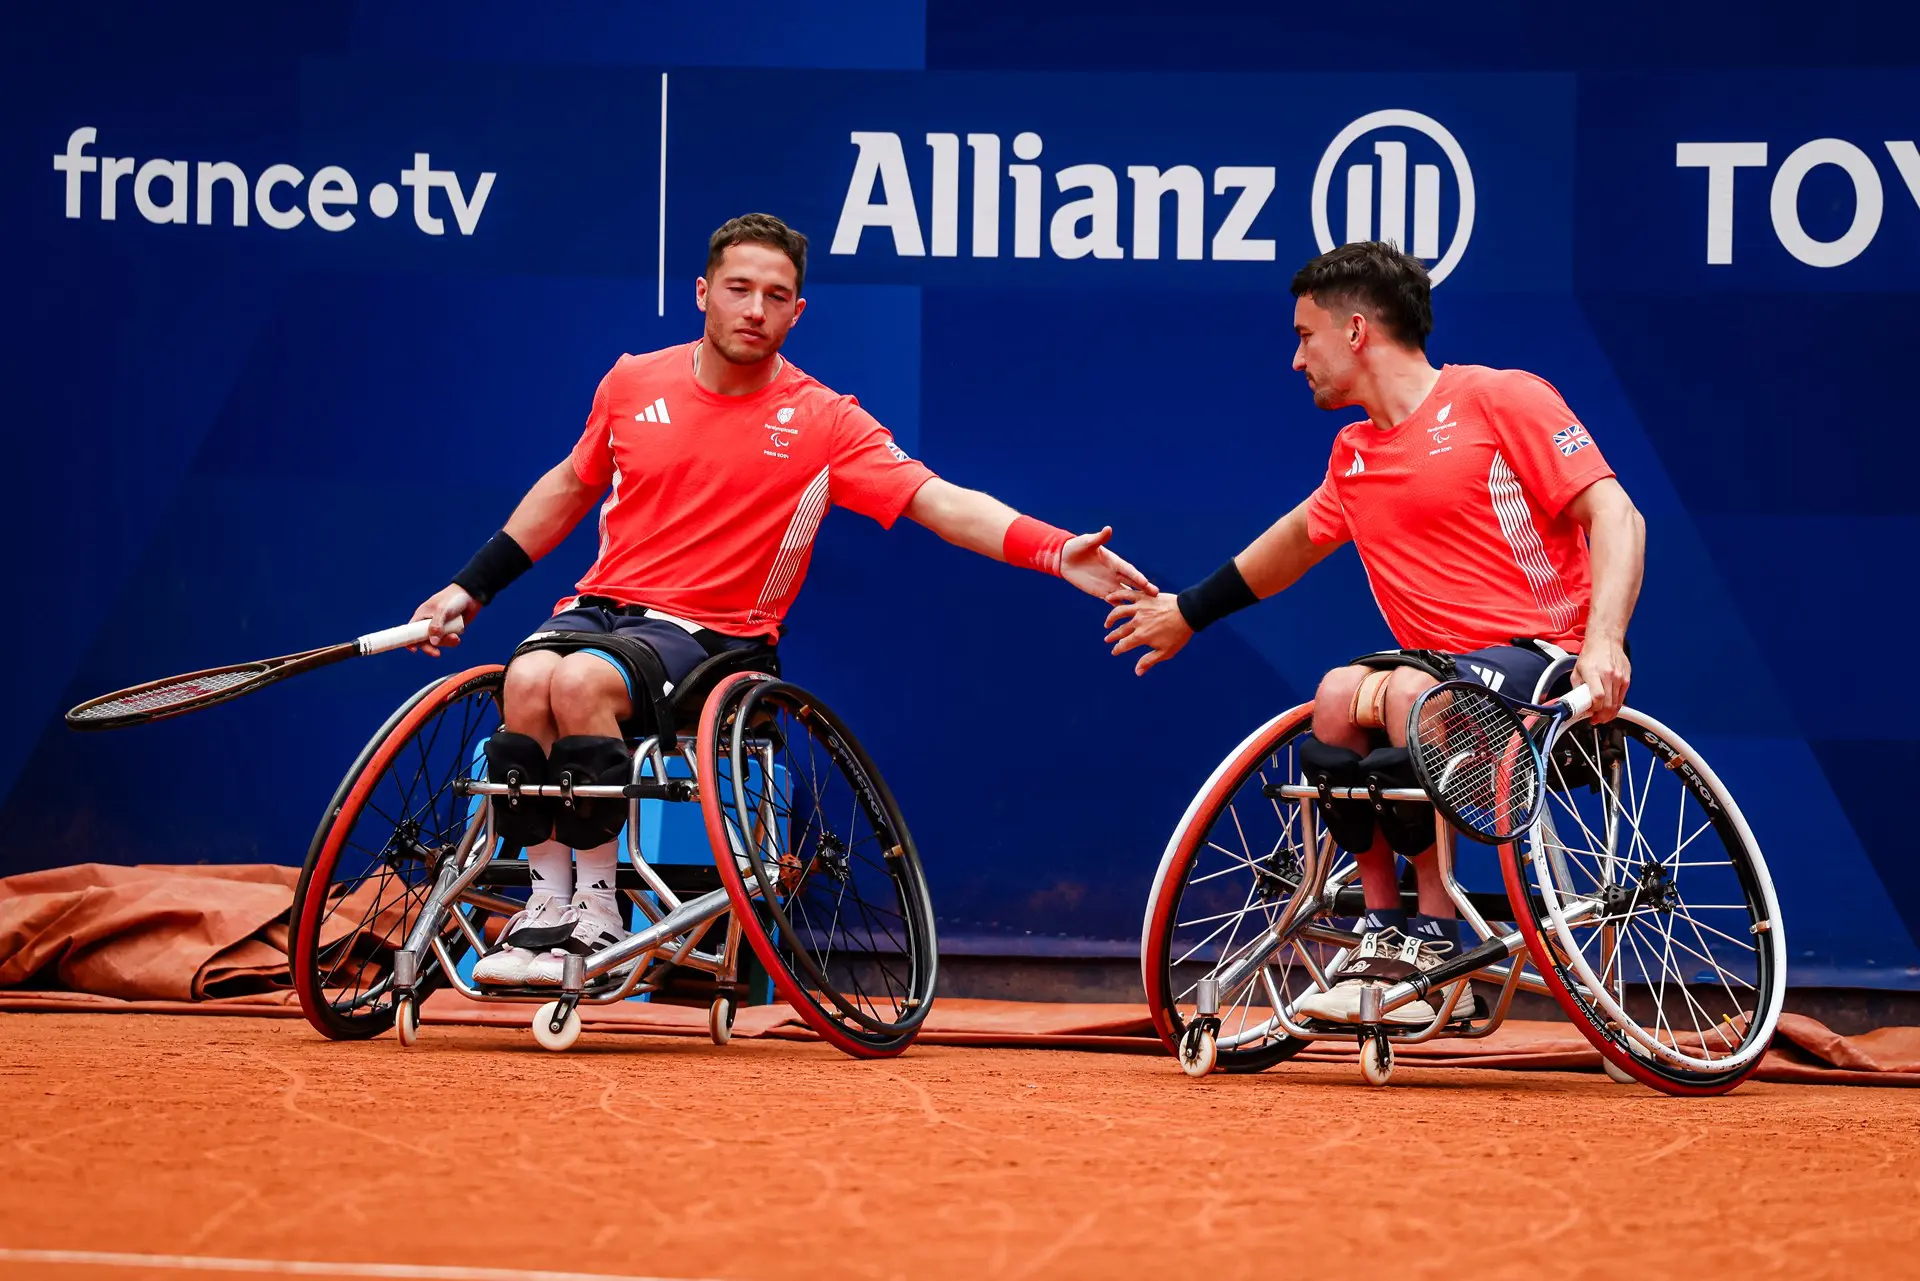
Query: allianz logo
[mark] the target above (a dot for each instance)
(1402, 172)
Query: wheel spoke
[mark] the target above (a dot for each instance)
(1661, 936)
(373, 891)
(850, 915)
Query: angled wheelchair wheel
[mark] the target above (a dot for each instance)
(818, 863)
(1649, 911)
(1230, 871)
(372, 860)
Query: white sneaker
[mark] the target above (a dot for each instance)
(1382, 959)
(508, 965)
(592, 928)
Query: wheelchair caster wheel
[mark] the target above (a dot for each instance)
(720, 1020)
(1376, 1060)
(1199, 1049)
(543, 1029)
(1617, 1073)
(406, 1021)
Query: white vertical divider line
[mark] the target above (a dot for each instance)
(663, 194)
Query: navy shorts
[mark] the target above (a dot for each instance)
(1513, 670)
(679, 650)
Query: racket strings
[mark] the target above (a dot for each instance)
(1479, 760)
(188, 689)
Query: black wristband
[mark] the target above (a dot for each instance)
(1215, 596)
(499, 561)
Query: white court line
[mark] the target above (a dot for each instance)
(300, 1268)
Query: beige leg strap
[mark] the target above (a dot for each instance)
(1370, 700)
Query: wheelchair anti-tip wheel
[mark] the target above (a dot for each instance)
(818, 864)
(553, 1030)
(1229, 874)
(1376, 1060)
(1199, 1048)
(1648, 909)
(371, 864)
(406, 1021)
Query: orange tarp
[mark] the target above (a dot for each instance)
(212, 940)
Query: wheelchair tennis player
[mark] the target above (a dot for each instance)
(712, 464)
(1496, 539)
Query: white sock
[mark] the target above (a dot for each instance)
(594, 877)
(550, 870)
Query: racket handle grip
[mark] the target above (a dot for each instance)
(414, 633)
(1579, 701)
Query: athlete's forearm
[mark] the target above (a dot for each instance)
(555, 504)
(1275, 561)
(1617, 545)
(964, 517)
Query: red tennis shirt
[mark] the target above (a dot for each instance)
(1460, 512)
(715, 500)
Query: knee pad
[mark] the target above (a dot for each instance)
(1327, 767)
(1407, 825)
(589, 760)
(517, 759)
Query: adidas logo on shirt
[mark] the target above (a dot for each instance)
(654, 413)
(1356, 466)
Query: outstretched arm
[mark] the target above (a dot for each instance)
(982, 523)
(1617, 543)
(1162, 625)
(543, 519)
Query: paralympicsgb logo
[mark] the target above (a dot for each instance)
(1395, 190)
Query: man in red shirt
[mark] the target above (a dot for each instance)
(718, 460)
(1494, 536)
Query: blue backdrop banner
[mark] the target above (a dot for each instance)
(305, 302)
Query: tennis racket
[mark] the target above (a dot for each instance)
(1481, 757)
(157, 700)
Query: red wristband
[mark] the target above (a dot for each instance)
(1034, 544)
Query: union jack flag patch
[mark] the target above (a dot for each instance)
(1572, 440)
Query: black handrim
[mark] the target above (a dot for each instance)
(377, 879)
(850, 911)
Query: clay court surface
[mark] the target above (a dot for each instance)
(669, 1157)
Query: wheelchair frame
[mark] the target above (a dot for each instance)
(796, 882)
(1499, 957)
(675, 928)
(1484, 961)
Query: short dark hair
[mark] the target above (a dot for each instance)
(1373, 276)
(760, 229)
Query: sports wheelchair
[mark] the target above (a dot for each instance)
(1638, 900)
(813, 869)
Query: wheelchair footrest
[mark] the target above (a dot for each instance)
(1471, 1007)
